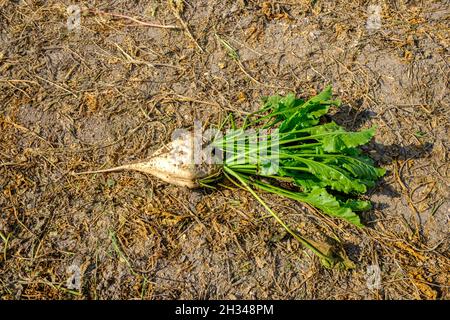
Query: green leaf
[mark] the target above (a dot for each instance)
(356, 205)
(420, 134)
(345, 140)
(268, 168)
(358, 167)
(310, 112)
(308, 181)
(324, 128)
(334, 177)
(320, 198)
(335, 139)
(317, 197)
(305, 117)
(281, 107)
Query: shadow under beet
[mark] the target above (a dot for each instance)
(352, 119)
(387, 154)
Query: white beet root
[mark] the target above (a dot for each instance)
(180, 163)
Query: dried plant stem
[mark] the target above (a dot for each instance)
(177, 15)
(143, 23)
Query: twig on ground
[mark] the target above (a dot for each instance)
(176, 13)
(139, 22)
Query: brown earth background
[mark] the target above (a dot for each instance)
(112, 92)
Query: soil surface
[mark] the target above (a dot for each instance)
(111, 90)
